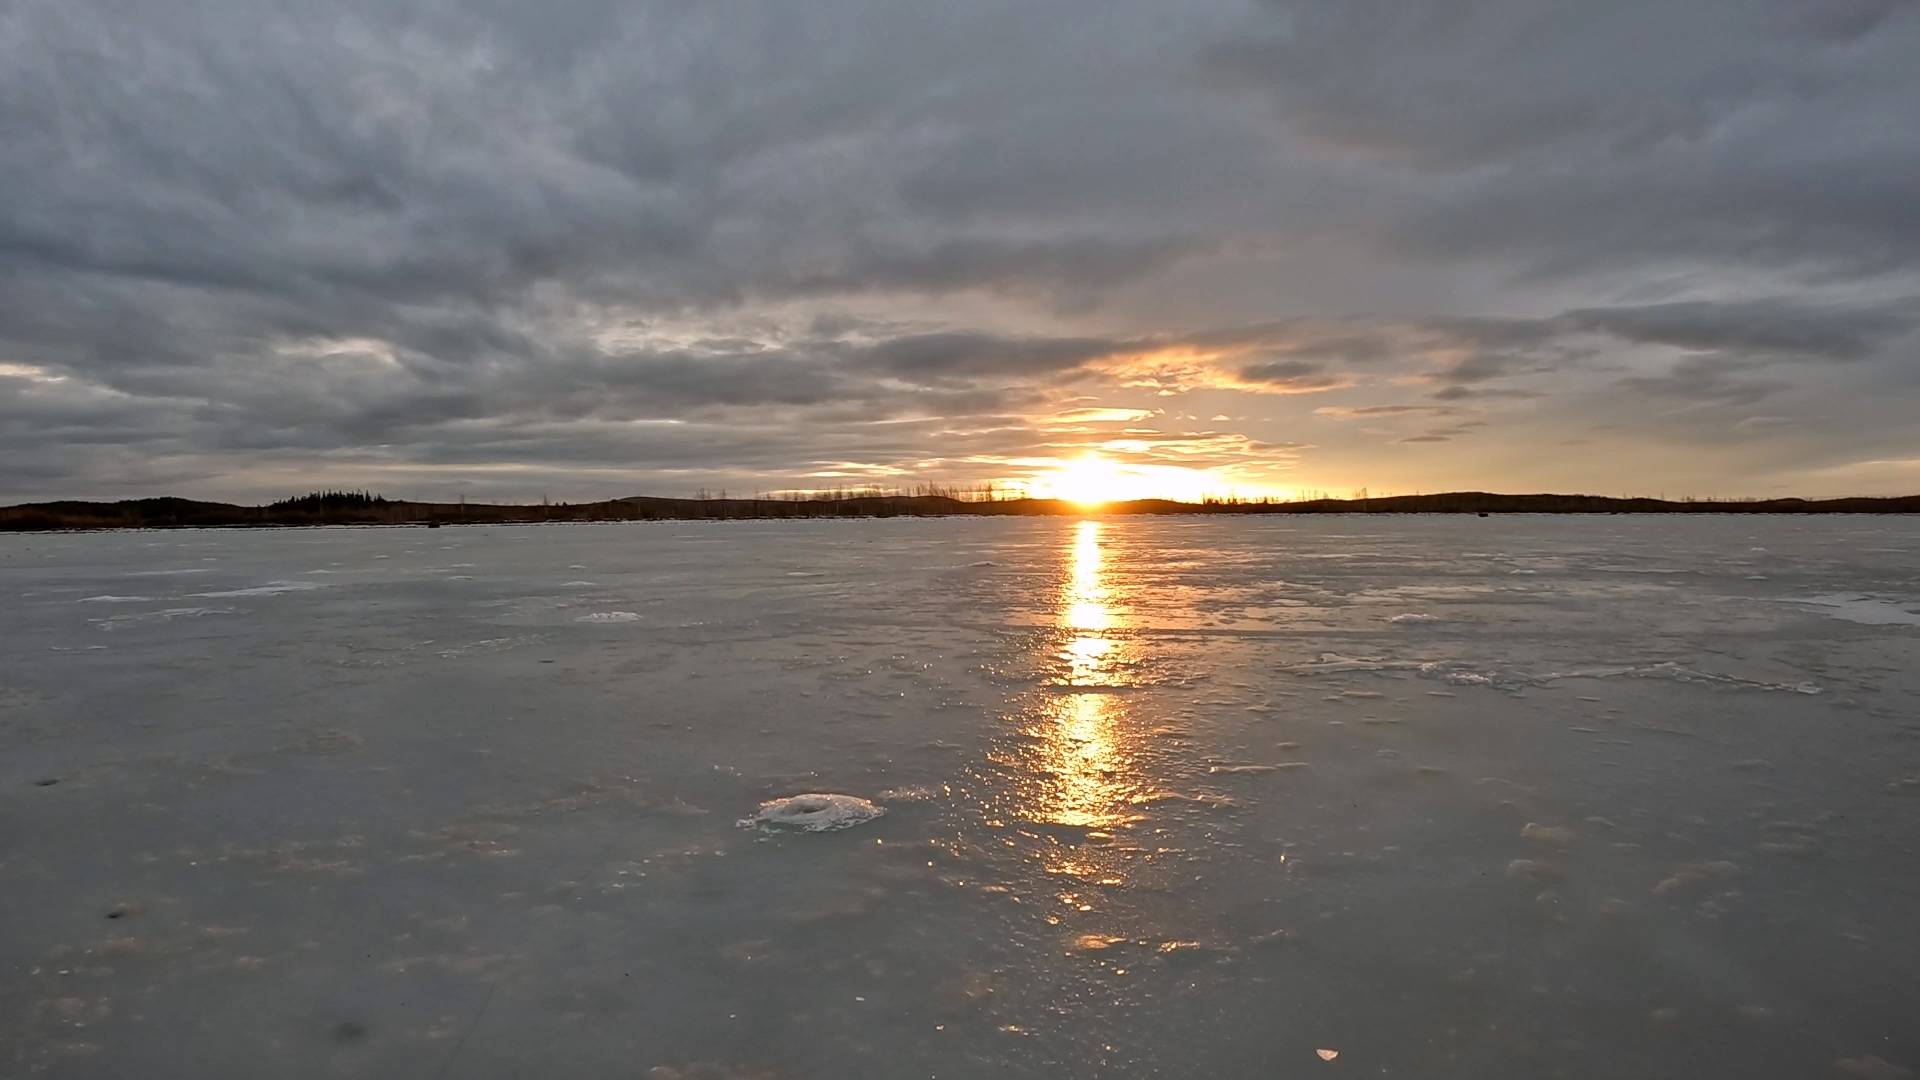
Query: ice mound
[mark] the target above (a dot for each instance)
(814, 812)
(611, 617)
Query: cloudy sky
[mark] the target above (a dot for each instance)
(586, 249)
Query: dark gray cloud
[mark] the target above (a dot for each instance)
(1773, 326)
(1297, 376)
(1706, 380)
(935, 359)
(667, 240)
(1576, 135)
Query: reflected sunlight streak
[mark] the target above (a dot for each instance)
(1088, 779)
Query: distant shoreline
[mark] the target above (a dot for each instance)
(371, 510)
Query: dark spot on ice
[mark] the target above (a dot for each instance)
(117, 913)
(349, 1031)
(47, 781)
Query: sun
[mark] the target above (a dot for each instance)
(1089, 481)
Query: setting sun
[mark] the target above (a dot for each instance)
(1089, 481)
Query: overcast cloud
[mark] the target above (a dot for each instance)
(589, 249)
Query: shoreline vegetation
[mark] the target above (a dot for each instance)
(362, 508)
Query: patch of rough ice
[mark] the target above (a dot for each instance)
(813, 812)
(483, 645)
(169, 573)
(271, 588)
(111, 599)
(1667, 669)
(1670, 670)
(917, 793)
(1414, 619)
(1456, 673)
(115, 622)
(610, 617)
(1335, 663)
(1870, 610)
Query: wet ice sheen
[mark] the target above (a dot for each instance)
(1169, 797)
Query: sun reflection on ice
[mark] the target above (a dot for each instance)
(1081, 763)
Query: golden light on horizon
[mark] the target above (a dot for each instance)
(1093, 480)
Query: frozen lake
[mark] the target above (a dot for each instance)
(1425, 797)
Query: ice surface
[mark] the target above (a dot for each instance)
(1163, 797)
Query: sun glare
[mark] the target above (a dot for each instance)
(1089, 481)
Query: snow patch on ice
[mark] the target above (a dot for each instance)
(271, 588)
(813, 812)
(610, 617)
(1414, 619)
(111, 599)
(1869, 610)
(579, 585)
